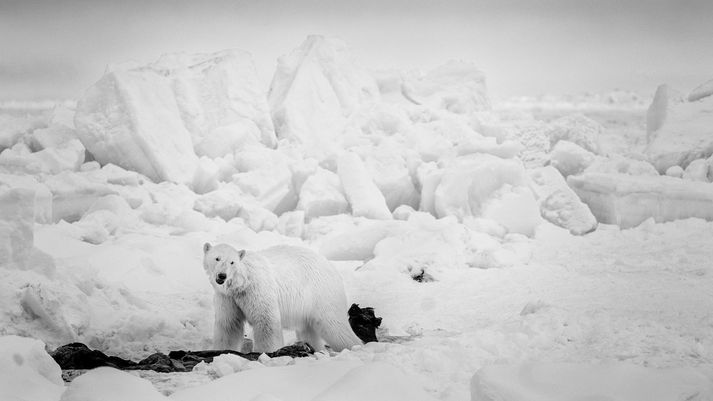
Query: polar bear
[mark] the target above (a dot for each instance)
(282, 287)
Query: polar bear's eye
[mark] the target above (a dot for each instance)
(232, 262)
(217, 259)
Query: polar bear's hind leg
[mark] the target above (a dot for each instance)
(310, 335)
(337, 333)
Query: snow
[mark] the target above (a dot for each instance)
(628, 200)
(569, 381)
(27, 372)
(453, 220)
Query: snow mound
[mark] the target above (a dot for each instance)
(679, 132)
(628, 200)
(297, 382)
(569, 381)
(27, 372)
(559, 204)
(697, 170)
(51, 160)
(315, 88)
(145, 118)
(109, 384)
(616, 164)
(364, 196)
(483, 185)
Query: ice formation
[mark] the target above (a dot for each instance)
(680, 132)
(315, 89)
(628, 200)
(27, 372)
(146, 118)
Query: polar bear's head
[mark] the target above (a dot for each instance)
(223, 265)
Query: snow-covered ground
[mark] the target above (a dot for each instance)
(560, 260)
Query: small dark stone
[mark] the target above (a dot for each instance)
(364, 323)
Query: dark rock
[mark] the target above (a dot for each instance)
(77, 357)
(364, 323)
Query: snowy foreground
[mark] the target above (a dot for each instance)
(558, 258)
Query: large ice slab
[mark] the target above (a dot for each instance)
(679, 132)
(570, 381)
(315, 88)
(628, 200)
(150, 118)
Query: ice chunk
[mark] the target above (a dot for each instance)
(67, 156)
(266, 176)
(697, 171)
(570, 158)
(315, 88)
(131, 118)
(73, 194)
(17, 219)
(679, 132)
(364, 197)
(110, 384)
(429, 177)
(483, 185)
(569, 381)
(27, 372)
(229, 202)
(291, 224)
(701, 91)
(576, 128)
(43, 196)
(629, 200)
(391, 175)
(321, 195)
(147, 118)
(559, 204)
(206, 176)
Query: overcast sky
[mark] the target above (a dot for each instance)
(57, 48)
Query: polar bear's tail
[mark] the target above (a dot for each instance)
(337, 333)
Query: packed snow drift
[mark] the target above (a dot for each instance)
(512, 254)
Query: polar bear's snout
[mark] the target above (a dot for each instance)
(220, 278)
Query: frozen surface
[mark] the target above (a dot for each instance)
(364, 196)
(568, 381)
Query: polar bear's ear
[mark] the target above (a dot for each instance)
(241, 254)
(206, 247)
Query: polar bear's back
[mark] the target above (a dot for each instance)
(306, 281)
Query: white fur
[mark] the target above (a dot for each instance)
(282, 287)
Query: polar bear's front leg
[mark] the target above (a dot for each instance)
(267, 324)
(229, 324)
